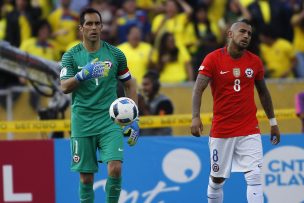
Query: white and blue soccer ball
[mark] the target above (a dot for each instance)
(123, 111)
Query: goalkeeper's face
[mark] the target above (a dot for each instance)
(91, 27)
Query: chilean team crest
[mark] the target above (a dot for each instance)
(249, 72)
(76, 158)
(106, 67)
(236, 72)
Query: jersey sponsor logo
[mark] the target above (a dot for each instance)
(236, 72)
(79, 67)
(63, 72)
(76, 158)
(249, 72)
(215, 167)
(201, 68)
(224, 72)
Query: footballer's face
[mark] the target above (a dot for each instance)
(91, 27)
(240, 34)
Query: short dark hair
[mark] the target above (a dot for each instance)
(244, 20)
(86, 11)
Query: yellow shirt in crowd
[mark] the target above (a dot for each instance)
(175, 25)
(68, 24)
(138, 59)
(25, 28)
(278, 57)
(174, 72)
(298, 39)
(47, 52)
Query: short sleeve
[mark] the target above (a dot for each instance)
(67, 68)
(123, 71)
(260, 70)
(207, 66)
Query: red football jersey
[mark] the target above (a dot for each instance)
(232, 86)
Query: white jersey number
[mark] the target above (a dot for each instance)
(237, 85)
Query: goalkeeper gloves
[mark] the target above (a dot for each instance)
(93, 69)
(132, 130)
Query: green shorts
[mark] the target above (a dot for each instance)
(84, 151)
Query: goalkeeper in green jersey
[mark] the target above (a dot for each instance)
(90, 71)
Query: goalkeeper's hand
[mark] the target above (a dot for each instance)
(93, 69)
(132, 130)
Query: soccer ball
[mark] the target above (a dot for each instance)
(123, 111)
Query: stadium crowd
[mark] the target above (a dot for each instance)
(171, 37)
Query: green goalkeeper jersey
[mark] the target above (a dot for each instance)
(92, 98)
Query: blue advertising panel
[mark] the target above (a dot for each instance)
(176, 170)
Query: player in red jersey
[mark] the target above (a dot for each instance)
(235, 141)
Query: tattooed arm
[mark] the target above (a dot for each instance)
(199, 87)
(266, 102)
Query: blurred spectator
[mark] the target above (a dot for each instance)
(156, 103)
(152, 6)
(21, 22)
(297, 22)
(137, 53)
(173, 21)
(234, 11)
(75, 5)
(299, 104)
(45, 5)
(277, 54)
(5, 7)
(40, 45)
(77, 40)
(172, 62)
(272, 13)
(130, 16)
(204, 36)
(64, 22)
(216, 9)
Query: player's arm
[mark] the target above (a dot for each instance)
(67, 80)
(130, 89)
(129, 84)
(131, 130)
(266, 102)
(199, 87)
(68, 85)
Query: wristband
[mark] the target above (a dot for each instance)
(78, 77)
(273, 122)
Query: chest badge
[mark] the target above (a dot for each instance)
(249, 72)
(236, 72)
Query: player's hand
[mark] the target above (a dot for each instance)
(275, 136)
(93, 69)
(132, 130)
(196, 127)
